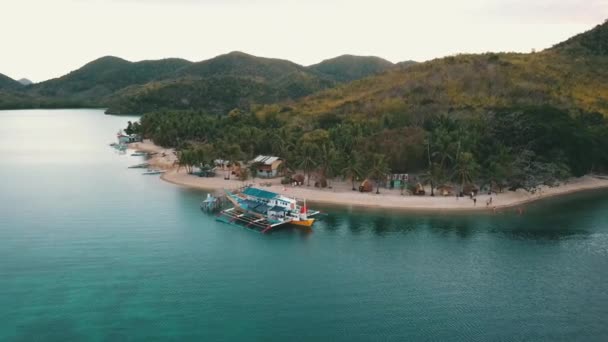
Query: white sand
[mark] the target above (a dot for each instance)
(341, 193)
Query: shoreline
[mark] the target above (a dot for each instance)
(341, 194)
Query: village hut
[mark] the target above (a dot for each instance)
(470, 190)
(366, 186)
(298, 178)
(321, 183)
(266, 166)
(445, 190)
(236, 168)
(419, 190)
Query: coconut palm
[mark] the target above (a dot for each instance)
(466, 168)
(379, 170)
(352, 169)
(308, 161)
(327, 161)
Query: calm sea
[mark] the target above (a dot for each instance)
(91, 250)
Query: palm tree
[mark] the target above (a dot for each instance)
(186, 159)
(379, 170)
(282, 145)
(308, 161)
(431, 176)
(233, 155)
(327, 158)
(352, 169)
(466, 168)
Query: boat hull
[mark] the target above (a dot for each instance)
(303, 223)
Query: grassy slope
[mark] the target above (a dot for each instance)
(467, 84)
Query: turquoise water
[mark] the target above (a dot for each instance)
(91, 250)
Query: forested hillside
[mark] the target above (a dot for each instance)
(348, 68)
(217, 85)
(7, 83)
(105, 76)
(511, 120)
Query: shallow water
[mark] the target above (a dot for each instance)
(92, 250)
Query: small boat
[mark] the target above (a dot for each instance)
(140, 166)
(154, 172)
(263, 210)
(120, 147)
(211, 204)
(139, 154)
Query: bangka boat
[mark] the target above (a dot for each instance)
(263, 210)
(154, 172)
(140, 166)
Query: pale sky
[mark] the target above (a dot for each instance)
(43, 39)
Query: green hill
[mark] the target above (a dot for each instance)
(137, 87)
(218, 85)
(7, 83)
(239, 64)
(507, 119)
(348, 68)
(591, 43)
(106, 75)
(468, 84)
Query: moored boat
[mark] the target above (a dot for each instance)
(264, 210)
(140, 166)
(154, 172)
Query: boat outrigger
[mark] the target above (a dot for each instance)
(264, 211)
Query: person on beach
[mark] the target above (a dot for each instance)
(475, 201)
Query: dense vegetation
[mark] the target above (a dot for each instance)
(508, 148)
(510, 120)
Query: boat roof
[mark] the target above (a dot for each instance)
(254, 192)
(277, 209)
(256, 207)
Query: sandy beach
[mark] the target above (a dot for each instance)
(341, 192)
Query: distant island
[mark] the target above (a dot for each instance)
(459, 125)
(25, 81)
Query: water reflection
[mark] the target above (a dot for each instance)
(564, 218)
(573, 216)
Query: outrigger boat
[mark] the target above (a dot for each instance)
(154, 172)
(140, 166)
(263, 210)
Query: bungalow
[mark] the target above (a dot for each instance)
(267, 166)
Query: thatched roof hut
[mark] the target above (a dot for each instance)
(445, 190)
(470, 189)
(299, 178)
(366, 186)
(321, 183)
(419, 190)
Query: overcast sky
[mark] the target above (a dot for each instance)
(43, 39)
